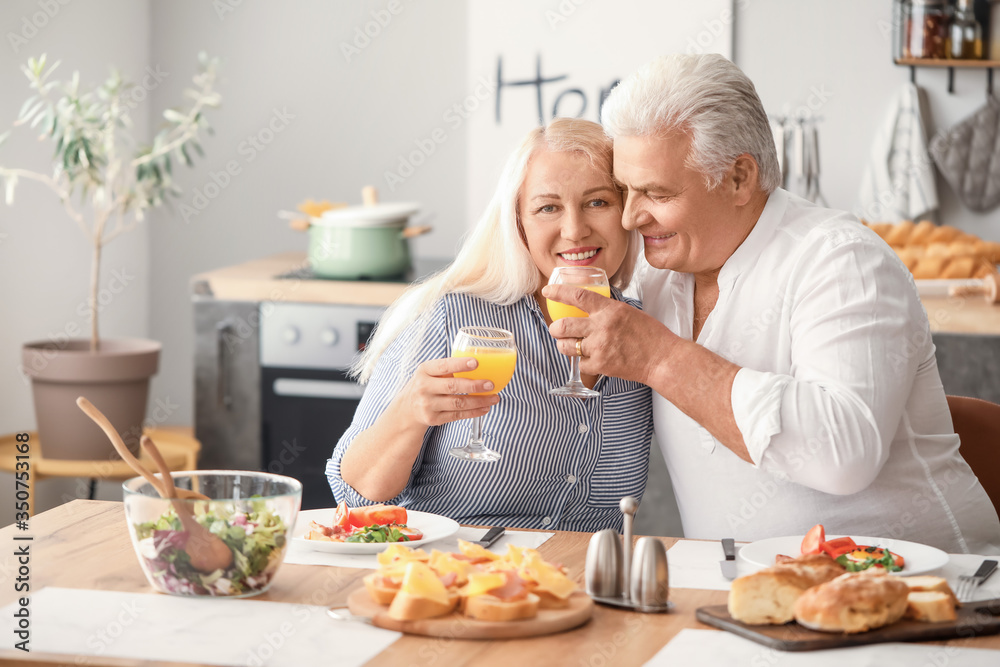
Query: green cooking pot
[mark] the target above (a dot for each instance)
(362, 242)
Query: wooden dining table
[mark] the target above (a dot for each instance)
(84, 544)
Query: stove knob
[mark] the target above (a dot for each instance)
(291, 335)
(329, 337)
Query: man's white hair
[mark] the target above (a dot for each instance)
(705, 96)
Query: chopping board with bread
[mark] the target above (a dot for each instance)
(473, 594)
(827, 597)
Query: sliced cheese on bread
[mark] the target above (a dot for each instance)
(549, 583)
(476, 553)
(445, 564)
(421, 595)
(399, 553)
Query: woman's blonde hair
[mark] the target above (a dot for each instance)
(494, 263)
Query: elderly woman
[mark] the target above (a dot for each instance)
(792, 360)
(566, 462)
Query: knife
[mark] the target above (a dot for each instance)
(491, 536)
(729, 565)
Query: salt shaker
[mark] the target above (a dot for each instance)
(604, 565)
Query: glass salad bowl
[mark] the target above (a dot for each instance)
(252, 513)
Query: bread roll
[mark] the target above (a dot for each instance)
(491, 608)
(408, 607)
(768, 596)
(900, 233)
(853, 603)
(930, 606)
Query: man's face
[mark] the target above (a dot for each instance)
(685, 227)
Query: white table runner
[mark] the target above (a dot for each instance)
(712, 647)
(214, 631)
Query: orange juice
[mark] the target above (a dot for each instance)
(495, 364)
(557, 310)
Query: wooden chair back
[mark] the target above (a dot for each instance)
(977, 423)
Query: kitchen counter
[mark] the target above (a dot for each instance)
(963, 315)
(257, 281)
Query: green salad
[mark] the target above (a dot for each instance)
(256, 537)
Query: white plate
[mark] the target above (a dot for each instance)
(919, 558)
(433, 526)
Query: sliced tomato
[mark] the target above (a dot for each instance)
(379, 515)
(342, 519)
(838, 546)
(813, 539)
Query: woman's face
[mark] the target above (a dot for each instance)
(571, 214)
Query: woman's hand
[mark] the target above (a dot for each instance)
(433, 396)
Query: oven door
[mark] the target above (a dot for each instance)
(304, 412)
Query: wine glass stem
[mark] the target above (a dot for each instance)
(476, 434)
(574, 371)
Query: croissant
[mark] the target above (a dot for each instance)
(931, 252)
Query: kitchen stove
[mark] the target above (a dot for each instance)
(307, 398)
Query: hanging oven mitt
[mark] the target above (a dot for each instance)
(968, 156)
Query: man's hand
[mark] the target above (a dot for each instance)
(433, 396)
(617, 339)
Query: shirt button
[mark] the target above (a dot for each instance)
(582, 428)
(546, 520)
(571, 479)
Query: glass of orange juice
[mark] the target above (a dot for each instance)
(590, 278)
(496, 353)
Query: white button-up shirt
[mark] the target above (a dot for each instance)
(838, 398)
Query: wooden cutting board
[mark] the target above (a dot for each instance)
(456, 626)
(974, 619)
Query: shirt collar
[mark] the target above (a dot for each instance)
(747, 253)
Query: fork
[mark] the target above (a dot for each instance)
(967, 583)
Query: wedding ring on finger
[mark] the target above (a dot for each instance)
(579, 347)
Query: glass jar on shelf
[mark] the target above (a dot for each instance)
(926, 33)
(965, 34)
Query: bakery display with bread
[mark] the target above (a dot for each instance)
(933, 252)
(853, 602)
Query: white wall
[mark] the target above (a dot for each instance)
(838, 58)
(351, 118)
(44, 257)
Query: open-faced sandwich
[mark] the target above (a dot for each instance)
(476, 582)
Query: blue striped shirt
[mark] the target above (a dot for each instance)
(566, 463)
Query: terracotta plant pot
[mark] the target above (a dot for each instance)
(115, 379)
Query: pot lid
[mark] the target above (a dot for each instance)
(377, 215)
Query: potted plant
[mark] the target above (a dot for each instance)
(116, 182)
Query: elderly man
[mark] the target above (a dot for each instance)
(792, 360)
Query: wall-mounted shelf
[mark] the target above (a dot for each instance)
(988, 65)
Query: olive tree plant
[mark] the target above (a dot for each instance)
(96, 157)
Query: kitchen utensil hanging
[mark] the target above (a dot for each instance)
(796, 140)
